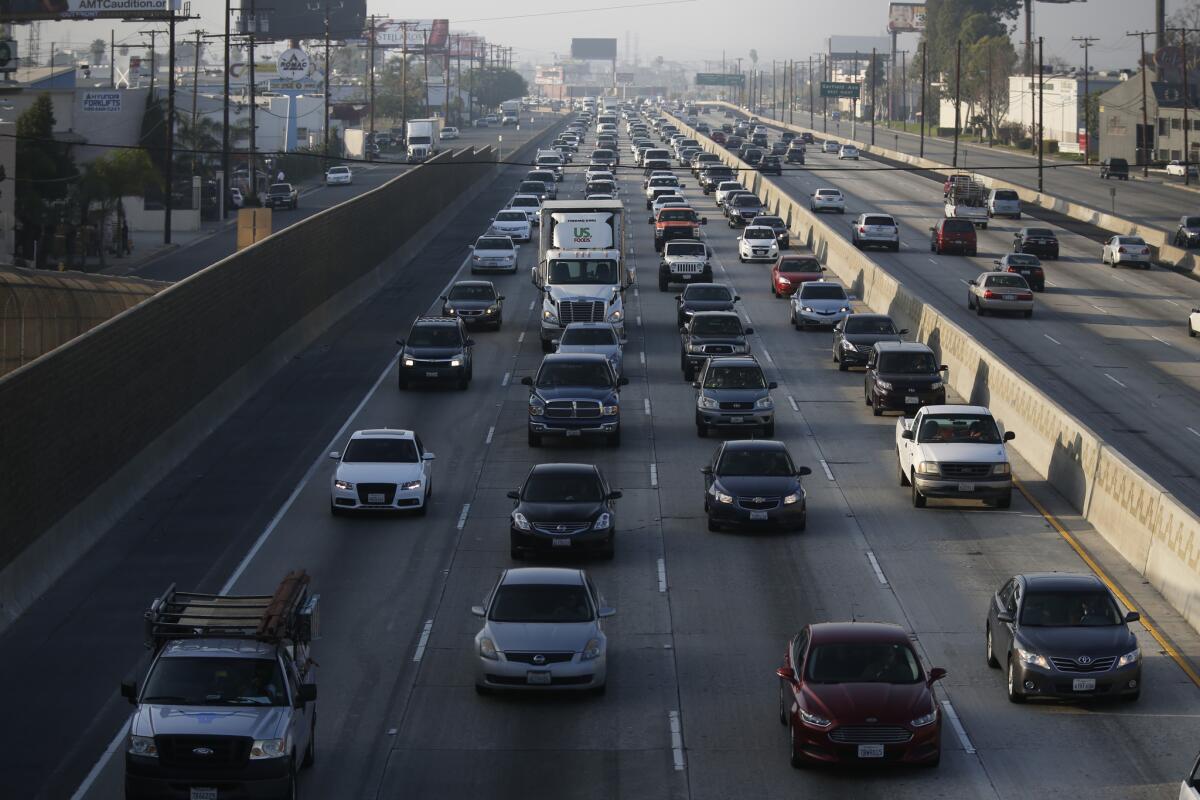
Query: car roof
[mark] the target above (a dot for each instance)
(901, 347)
(707, 285)
(489, 284)
(551, 358)
(836, 632)
(733, 361)
(708, 314)
(382, 433)
(760, 445)
(567, 468)
(1060, 581)
(447, 321)
(949, 408)
(820, 284)
(218, 648)
(590, 326)
(542, 575)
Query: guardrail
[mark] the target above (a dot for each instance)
(1158, 535)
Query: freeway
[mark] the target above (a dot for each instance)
(1109, 345)
(702, 617)
(1158, 201)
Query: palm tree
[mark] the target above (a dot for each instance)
(753, 56)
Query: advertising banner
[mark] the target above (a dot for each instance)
(24, 10)
(297, 19)
(413, 34)
(594, 49)
(906, 18)
(102, 102)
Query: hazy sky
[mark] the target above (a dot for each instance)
(697, 30)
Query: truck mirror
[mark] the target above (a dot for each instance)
(804, 471)
(622, 381)
(1009, 436)
(129, 691)
(907, 434)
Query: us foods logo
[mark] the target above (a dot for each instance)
(583, 235)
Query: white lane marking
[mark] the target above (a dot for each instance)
(1114, 380)
(676, 739)
(825, 466)
(932, 261)
(1051, 283)
(491, 433)
(532, 303)
(1098, 308)
(653, 475)
(1172, 302)
(646, 401)
(955, 723)
(424, 640)
(1051, 338)
(109, 752)
(635, 292)
(639, 320)
(1193, 430)
(878, 571)
(462, 518)
(795, 407)
(963, 281)
(521, 338)
(767, 354)
(642, 358)
(1164, 341)
(504, 380)
(662, 575)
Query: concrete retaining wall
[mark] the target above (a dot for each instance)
(1151, 529)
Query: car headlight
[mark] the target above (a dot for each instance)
(548, 315)
(925, 719)
(603, 522)
(615, 315)
(410, 485)
(537, 407)
(847, 345)
(476, 259)
(928, 468)
(408, 362)
(784, 281)
(591, 650)
(611, 410)
(708, 402)
(935, 386)
(763, 403)
(268, 748)
(519, 520)
(487, 648)
(806, 308)
(1129, 658)
(1033, 659)
(720, 496)
(844, 309)
(490, 310)
(456, 362)
(792, 499)
(345, 486)
(451, 312)
(1002, 469)
(814, 719)
(885, 385)
(143, 746)
(693, 347)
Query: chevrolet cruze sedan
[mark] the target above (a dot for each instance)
(754, 484)
(856, 693)
(381, 470)
(542, 630)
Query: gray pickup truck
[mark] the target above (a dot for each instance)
(711, 333)
(228, 706)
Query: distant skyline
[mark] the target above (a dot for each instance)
(537, 29)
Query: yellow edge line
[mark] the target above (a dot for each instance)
(1167, 647)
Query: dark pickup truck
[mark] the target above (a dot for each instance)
(282, 195)
(1114, 168)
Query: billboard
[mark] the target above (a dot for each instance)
(24, 10)
(413, 34)
(301, 20)
(906, 18)
(594, 49)
(549, 76)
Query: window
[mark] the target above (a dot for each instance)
(381, 451)
(1162, 127)
(1176, 123)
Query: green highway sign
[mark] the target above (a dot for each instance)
(719, 79)
(833, 89)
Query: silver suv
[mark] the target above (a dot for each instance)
(732, 392)
(875, 230)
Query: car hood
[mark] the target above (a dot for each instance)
(610, 351)
(360, 472)
(254, 722)
(734, 395)
(714, 339)
(868, 339)
(470, 305)
(909, 379)
(855, 703)
(822, 305)
(1107, 640)
(707, 305)
(561, 512)
(538, 636)
(758, 485)
(964, 452)
(800, 277)
(432, 352)
(496, 253)
(600, 393)
(1191, 231)
(511, 223)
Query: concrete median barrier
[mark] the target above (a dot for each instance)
(1156, 533)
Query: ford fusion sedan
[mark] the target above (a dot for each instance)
(1062, 635)
(475, 303)
(753, 484)
(381, 470)
(757, 243)
(819, 303)
(513, 223)
(827, 200)
(733, 393)
(494, 253)
(566, 508)
(856, 693)
(789, 271)
(542, 630)
(856, 336)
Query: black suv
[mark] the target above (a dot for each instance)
(711, 333)
(741, 208)
(563, 508)
(437, 350)
(770, 164)
(575, 395)
(1041, 242)
(475, 303)
(903, 376)
(703, 297)
(1187, 233)
(1114, 168)
(711, 176)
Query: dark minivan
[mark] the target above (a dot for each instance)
(903, 376)
(1114, 168)
(953, 235)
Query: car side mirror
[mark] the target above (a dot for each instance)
(443, 298)
(772, 385)
(470, 247)
(737, 297)
(695, 384)
(941, 368)
(555, 342)
(1004, 616)
(129, 691)
(935, 675)
(904, 331)
(605, 612)
(749, 331)
(706, 470)
(708, 251)
(515, 494)
(615, 494)
(527, 381)
(787, 673)
(400, 342)
(804, 471)
(479, 611)
(932, 228)
(469, 343)
(1009, 436)
(971, 283)
(996, 261)
(906, 435)
(306, 693)
(335, 455)
(428, 456)
(1132, 616)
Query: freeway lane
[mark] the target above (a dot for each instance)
(1110, 345)
(702, 617)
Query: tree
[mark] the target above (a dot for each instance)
(994, 57)
(947, 22)
(393, 100)
(493, 86)
(113, 176)
(753, 56)
(45, 170)
(98, 49)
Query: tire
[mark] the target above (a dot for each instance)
(663, 285)
(614, 439)
(974, 252)
(783, 714)
(901, 473)
(464, 384)
(401, 384)
(701, 430)
(803, 526)
(535, 439)
(918, 499)
(984, 226)
(896, 247)
(979, 310)
(547, 347)
(796, 759)
(423, 509)
(768, 430)
(290, 793)
(482, 691)
(1028, 314)
(970, 302)
(990, 650)
(740, 259)
(876, 409)
(842, 365)
(514, 552)
(1005, 501)
(712, 525)
(334, 511)
(1131, 698)
(606, 553)
(1014, 694)
(310, 752)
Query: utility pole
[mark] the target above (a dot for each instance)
(225, 117)
(873, 76)
(253, 171)
(153, 37)
(371, 71)
(1187, 101)
(811, 106)
(1145, 150)
(170, 194)
(824, 99)
(195, 96)
(957, 97)
(112, 58)
(404, 79)
(1041, 129)
(924, 84)
(1086, 43)
(990, 91)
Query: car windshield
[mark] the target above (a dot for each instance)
(822, 293)
(708, 294)
(734, 378)
(677, 215)
(383, 450)
(1069, 609)
(717, 326)
(866, 324)
(970, 428)
(729, 186)
(213, 681)
(541, 603)
(588, 336)
(685, 249)
(1137, 240)
(915, 363)
(339, 170)
(659, 182)
(512, 216)
(540, 175)
(763, 463)
(1040, 232)
(1006, 194)
(770, 222)
(877, 220)
(759, 233)
(862, 662)
(745, 200)
(494, 243)
(532, 186)
(800, 265)
(471, 292)
(281, 188)
(1023, 260)
(1191, 222)
(524, 202)
(568, 373)
(551, 487)
(565, 272)
(434, 336)
(958, 226)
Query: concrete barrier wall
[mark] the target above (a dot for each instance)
(1150, 528)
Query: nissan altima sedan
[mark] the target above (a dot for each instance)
(542, 630)
(856, 693)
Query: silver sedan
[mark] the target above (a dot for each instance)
(1000, 291)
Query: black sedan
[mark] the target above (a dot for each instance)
(563, 508)
(476, 303)
(857, 334)
(703, 297)
(1062, 635)
(753, 483)
(770, 165)
(1036, 241)
(1026, 265)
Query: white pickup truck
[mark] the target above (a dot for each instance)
(954, 452)
(966, 198)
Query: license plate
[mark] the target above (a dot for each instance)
(561, 542)
(758, 515)
(736, 420)
(1010, 297)
(431, 374)
(966, 487)
(573, 433)
(1084, 684)
(197, 793)
(375, 497)
(870, 751)
(542, 678)
(911, 399)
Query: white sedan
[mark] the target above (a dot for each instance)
(513, 223)
(848, 151)
(531, 204)
(758, 243)
(381, 470)
(448, 132)
(1194, 322)
(830, 146)
(1126, 250)
(598, 173)
(827, 200)
(339, 176)
(1175, 167)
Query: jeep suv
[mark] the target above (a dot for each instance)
(684, 261)
(902, 376)
(575, 395)
(437, 350)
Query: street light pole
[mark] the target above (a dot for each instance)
(1086, 43)
(957, 97)
(1145, 138)
(1041, 129)
(170, 200)
(924, 84)
(873, 96)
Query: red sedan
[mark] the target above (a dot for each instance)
(855, 692)
(789, 271)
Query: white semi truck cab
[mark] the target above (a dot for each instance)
(421, 136)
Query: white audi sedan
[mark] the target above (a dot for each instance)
(381, 470)
(339, 176)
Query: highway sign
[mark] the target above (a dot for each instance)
(719, 79)
(834, 89)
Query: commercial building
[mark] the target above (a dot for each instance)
(1122, 134)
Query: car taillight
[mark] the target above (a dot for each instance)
(1025, 296)
(989, 294)
(862, 230)
(1122, 250)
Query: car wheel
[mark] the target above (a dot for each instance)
(701, 430)
(712, 524)
(980, 310)
(606, 553)
(768, 430)
(663, 285)
(482, 690)
(535, 439)
(992, 661)
(1014, 692)
(1028, 314)
(918, 499)
(1131, 698)
(614, 439)
(973, 252)
(290, 792)
(900, 471)
(463, 384)
(842, 365)
(310, 752)
(1005, 500)
(895, 247)
(876, 409)
(797, 758)
(970, 302)
(783, 710)
(423, 509)
(803, 526)
(740, 259)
